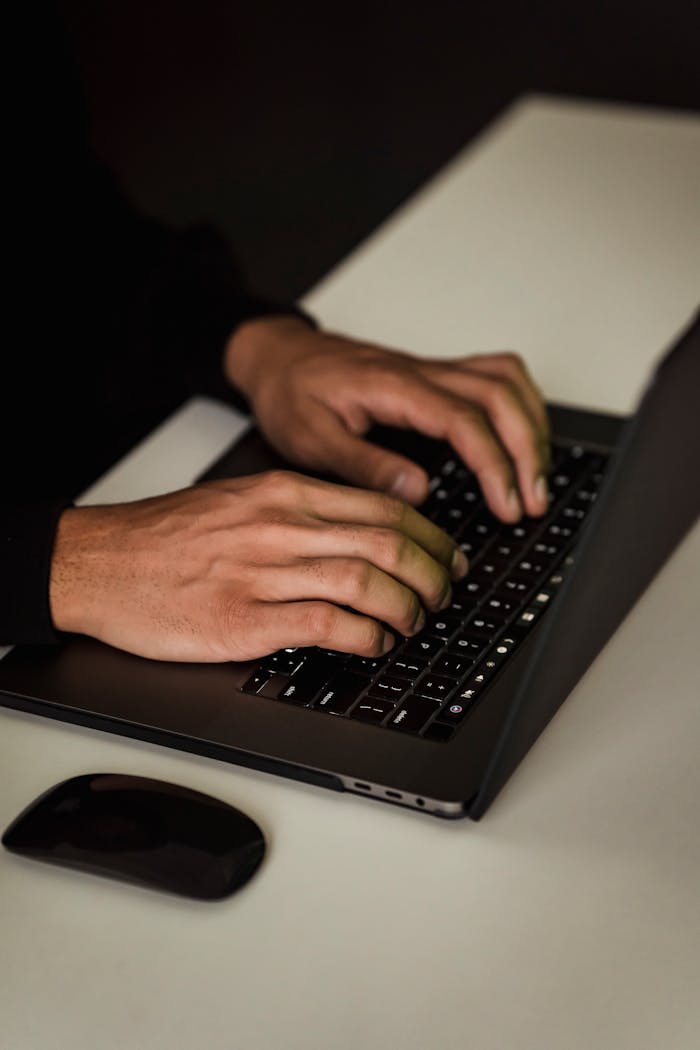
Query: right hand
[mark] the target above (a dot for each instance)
(236, 569)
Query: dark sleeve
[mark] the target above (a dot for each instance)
(116, 303)
(195, 297)
(27, 533)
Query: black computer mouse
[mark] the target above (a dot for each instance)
(143, 831)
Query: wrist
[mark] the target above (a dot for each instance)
(72, 584)
(255, 343)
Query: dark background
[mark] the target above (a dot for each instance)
(298, 128)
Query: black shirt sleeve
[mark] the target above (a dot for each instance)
(115, 317)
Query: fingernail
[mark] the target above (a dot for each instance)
(420, 622)
(388, 643)
(460, 565)
(409, 487)
(542, 491)
(513, 503)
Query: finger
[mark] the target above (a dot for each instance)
(354, 459)
(342, 503)
(351, 582)
(391, 551)
(410, 399)
(514, 426)
(512, 367)
(323, 624)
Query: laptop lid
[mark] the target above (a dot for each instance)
(649, 499)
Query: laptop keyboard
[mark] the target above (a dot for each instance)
(430, 683)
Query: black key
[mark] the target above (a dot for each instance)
(438, 732)
(368, 665)
(485, 524)
(561, 480)
(341, 693)
(435, 502)
(443, 626)
(450, 519)
(467, 693)
(486, 669)
(510, 639)
(489, 567)
(274, 686)
(574, 513)
(561, 529)
(516, 585)
(463, 701)
(435, 687)
(409, 667)
(485, 626)
(462, 606)
(468, 645)
(370, 709)
(505, 550)
(256, 681)
(585, 497)
(423, 645)
(474, 587)
(469, 497)
(547, 550)
(558, 453)
(532, 566)
(500, 605)
(448, 468)
(529, 616)
(414, 712)
(453, 666)
(543, 596)
(501, 652)
(521, 530)
(390, 688)
(470, 543)
(304, 686)
(285, 661)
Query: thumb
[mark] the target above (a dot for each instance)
(359, 461)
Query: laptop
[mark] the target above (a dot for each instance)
(441, 722)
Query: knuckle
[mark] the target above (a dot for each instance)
(281, 483)
(321, 620)
(355, 576)
(234, 619)
(513, 361)
(394, 547)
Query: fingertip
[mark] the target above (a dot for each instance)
(388, 642)
(541, 494)
(459, 566)
(410, 486)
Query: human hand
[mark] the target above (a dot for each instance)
(315, 395)
(235, 569)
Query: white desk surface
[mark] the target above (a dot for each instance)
(569, 918)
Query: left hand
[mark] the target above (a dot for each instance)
(315, 394)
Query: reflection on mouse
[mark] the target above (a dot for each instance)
(141, 830)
